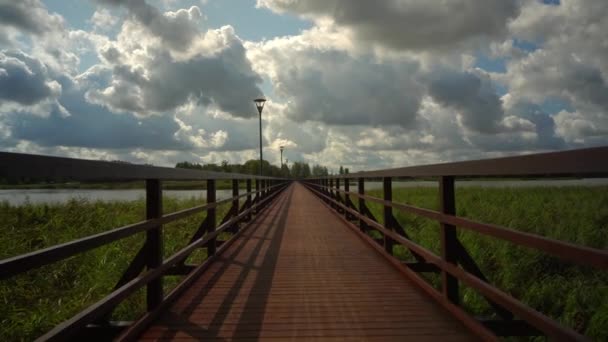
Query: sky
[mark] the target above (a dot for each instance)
(363, 84)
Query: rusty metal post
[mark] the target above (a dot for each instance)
(361, 190)
(154, 242)
(449, 239)
(387, 187)
(211, 216)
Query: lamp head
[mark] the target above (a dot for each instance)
(259, 104)
(281, 147)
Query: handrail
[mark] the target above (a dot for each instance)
(454, 263)
(18, 165)
(148, 266)
(590, 162)
(564, 250)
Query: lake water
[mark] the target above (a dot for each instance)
(18, 197)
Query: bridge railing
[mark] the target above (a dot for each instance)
(455, 265)
(148, 266)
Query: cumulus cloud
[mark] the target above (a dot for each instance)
(24, 79)
(147, 77)
(370, 85)
(28, 15)
(472, 96)
(410, 24)
(175, 29)
(103, 19)
(335, 87)
(569, 65)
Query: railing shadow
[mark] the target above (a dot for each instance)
(250, 320)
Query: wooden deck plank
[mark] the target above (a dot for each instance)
(301, 274)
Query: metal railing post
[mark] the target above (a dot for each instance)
(338, 195)
(387, 189)
(361, 190)
(235, 202)
(347, 198)
(154, 242)
(258, 194)
(331, 192)
(449, 242)
(248, 184)
(211, 215)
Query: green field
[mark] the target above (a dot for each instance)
(34, 302)
(574, 295)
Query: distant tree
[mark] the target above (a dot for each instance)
(225, 166)
(346, 171)
(300, 170)
(188, 165)
(341, 171)
(252, 167)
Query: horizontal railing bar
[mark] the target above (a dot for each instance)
(535, 318)
(97, 310)
(25, 262)
(19, 165)
(589, 162)
(564, 250)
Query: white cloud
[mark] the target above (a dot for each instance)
(103, 20)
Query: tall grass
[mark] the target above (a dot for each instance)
(33, 302)
(574, 295)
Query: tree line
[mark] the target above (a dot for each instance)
(252, 167)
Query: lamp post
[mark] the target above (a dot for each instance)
(259, 104)
(281, 148)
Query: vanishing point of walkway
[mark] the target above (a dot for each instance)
(300, 273)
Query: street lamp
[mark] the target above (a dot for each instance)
(259, 104)
(281, 148)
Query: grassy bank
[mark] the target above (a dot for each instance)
(574, 295)
(34, 302)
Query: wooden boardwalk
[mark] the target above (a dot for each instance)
(300, 273)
